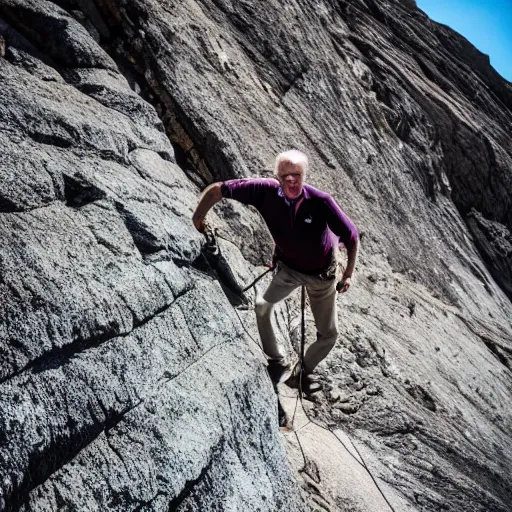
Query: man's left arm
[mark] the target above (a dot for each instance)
(346, 279)
(341, 225)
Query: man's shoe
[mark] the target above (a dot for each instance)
(310, 382)
(278, 370)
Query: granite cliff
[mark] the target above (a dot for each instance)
(130, 378)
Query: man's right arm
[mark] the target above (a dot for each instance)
(211, 196)
(247, 191)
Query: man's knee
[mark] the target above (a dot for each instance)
(331, 335)
(262, 307)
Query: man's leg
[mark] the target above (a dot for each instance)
(322, 297)
(281, 286)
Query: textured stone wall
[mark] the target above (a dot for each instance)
(127, 380)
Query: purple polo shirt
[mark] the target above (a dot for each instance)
(304, 238)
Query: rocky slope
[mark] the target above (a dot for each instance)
(128, 381)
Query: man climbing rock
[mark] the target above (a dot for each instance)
(307, 227)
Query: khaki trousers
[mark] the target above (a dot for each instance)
(322, 297)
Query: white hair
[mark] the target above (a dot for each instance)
(292, 156)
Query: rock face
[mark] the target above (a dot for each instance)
(127, 378)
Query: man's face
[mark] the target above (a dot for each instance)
(291, 178)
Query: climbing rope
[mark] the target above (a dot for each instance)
(300, 394)
(270, 269)
(213, 248)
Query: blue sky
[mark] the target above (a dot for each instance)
(487, 24)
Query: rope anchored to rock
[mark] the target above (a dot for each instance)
(214, 260)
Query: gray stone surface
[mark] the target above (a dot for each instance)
(127, 381)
